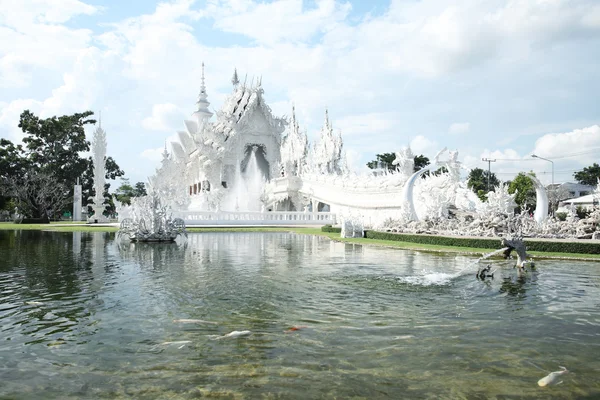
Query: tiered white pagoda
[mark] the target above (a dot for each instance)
(225, 164)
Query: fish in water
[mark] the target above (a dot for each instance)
(177, 342)
(180, 343)
(552, 378)
(295, 328)
(193, 321)
(234, 334)
(34, 303)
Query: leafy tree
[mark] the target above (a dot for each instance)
(12, 166)
(387, 160)
(420, 162)
(140, 189)
(53, 145)
(525, 188)
(38, 195)
(589, 175)
(477, 181)
(52, 150)
(125, 192)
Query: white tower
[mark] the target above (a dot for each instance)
(99, 155)
(202, 113)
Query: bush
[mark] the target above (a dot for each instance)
(33, 221)
(561, 216)
(582, 212)
(488, 243)
(331, 229)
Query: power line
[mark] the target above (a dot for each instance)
(580, 153)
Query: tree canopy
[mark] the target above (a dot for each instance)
(589, 175)
(51, 154)
(125, 192)
(477, 181)
(525, 188)
(387, 160)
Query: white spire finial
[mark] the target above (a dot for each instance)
(202, 112)
(235, 80)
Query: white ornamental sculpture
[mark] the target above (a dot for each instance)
(77, 202)
(327, 157)
(294, 149)
(98, 158)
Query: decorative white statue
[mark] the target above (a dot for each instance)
(99, 159)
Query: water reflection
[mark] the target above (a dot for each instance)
(84, 315)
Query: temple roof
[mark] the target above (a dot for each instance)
(240, 104)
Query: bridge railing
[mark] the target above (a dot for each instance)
(255, 218)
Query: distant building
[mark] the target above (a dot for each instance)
(571, 190)
(578, 196)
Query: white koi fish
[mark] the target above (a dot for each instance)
(193, 321)
(177, 342)
(234, 334)
(552, 378)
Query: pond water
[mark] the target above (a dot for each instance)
(85, 316)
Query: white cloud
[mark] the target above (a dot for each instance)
(165, 117)
(154, 155)
(422, 145)
(33, 38)
(312, 55)
(366, 125)
(278, 21)
(26, 12)
(557, 145)
(459, 128)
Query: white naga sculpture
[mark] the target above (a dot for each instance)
(99, 159)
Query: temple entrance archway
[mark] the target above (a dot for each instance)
(261, 159)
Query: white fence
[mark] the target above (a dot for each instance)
(192, 218)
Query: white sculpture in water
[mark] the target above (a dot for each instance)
(99, 159)
(149, 220)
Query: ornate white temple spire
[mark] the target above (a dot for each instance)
(202, 113)
(234, 79)
(165, 153)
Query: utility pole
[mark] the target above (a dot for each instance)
(489, 161)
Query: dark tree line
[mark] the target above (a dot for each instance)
(38, 177)
(386, 159)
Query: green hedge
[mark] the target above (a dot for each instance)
(487, 243)
(329, 228)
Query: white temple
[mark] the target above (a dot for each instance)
(225, 163)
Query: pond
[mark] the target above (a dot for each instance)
(86, 316)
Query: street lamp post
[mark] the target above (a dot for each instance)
(552, 162)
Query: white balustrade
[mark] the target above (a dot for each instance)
(192, 218)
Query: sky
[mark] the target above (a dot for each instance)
(492, 79)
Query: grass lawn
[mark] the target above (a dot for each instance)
(64, 227)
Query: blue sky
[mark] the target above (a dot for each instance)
(499, 79)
